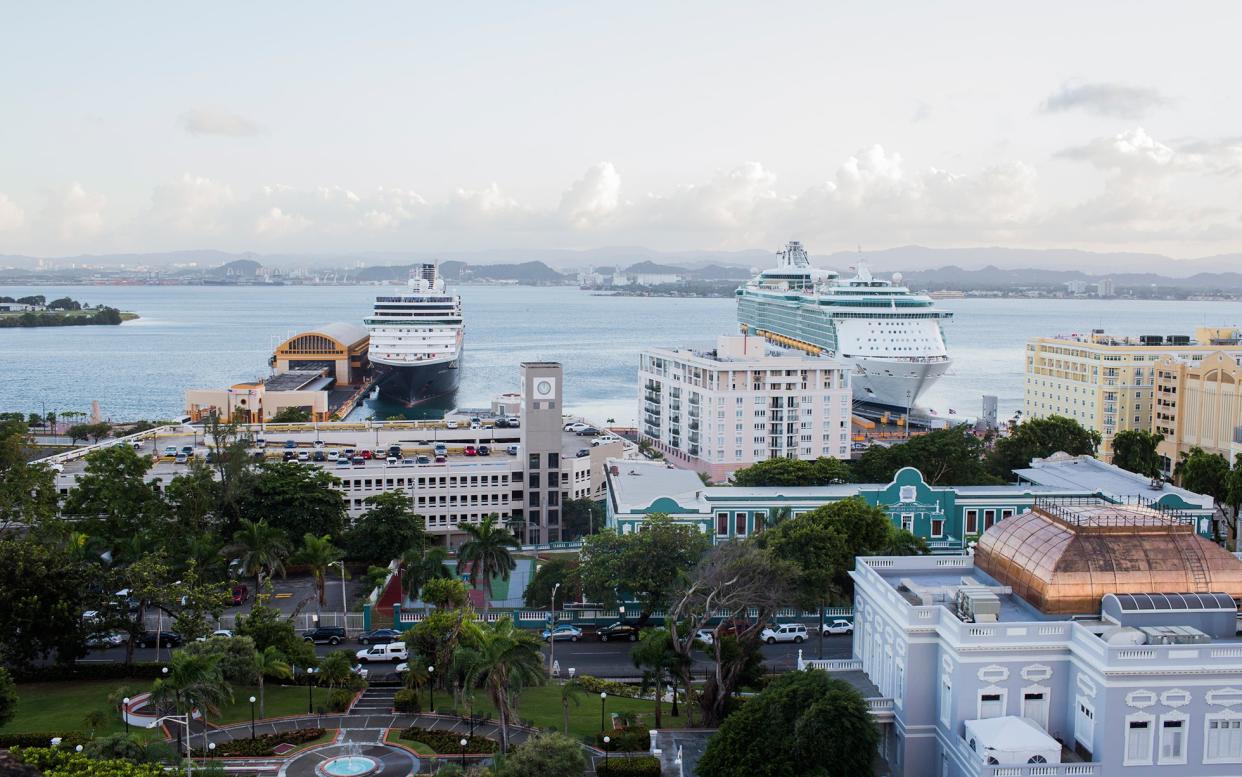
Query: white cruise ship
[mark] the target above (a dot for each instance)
(416, 340)
(891, 337)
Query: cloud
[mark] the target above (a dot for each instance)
(212, 121)
(1105, 99)
(1130, 151)
(11, 215)
(593, 198)
(72, 213)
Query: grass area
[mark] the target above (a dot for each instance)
(542, 707)
(62, 706)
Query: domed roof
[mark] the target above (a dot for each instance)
(1064, 559)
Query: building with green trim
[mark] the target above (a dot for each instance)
(948, 517)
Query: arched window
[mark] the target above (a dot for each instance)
(1037, 759)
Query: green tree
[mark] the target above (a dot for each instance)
(8, 697)
(1135, 450)
(1233, 498)
(506, 661)
(112, 499)
(319, 554)
(271, 629)
(336, 670)
(1037, 438)
(780, 471)
(387, 529)
(269, 663)
(193, 499)
(420, 566)
(571, 694)
(581, 517)
(446, 593)
(27, 491)
(813, 725)
(295, 498)
(1206, 473)
(487, 552)
(291, 415)
(261, 551)
(45, 592)
(647, 565)
(545, 755)
(194, 681)
(555, 571)
(656, 656)
(952, 456)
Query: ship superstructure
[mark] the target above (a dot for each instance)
(416, 339)
(891, 337)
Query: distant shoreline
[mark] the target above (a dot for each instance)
(103, 316)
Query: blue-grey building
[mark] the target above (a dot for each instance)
(1081, 637)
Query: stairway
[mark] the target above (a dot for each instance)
(374, 701)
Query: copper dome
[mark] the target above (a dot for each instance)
(1063, 559)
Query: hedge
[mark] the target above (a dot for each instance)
(632, 739)
(261, 746)
(340, 699)
(592, 684)
(406, 700)
(642, 766)
(448, 742)
(43, 739)
(63, 763)
(144, 670)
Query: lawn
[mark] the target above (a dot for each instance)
(541, 707)
(59, 707)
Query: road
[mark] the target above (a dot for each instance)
(601, 659)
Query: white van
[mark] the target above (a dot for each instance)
(393, 651)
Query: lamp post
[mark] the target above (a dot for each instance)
(431, 688)
(252, 700)
(185, 721)
(463, 754)
(603, 699)
(125, 713)
(310, 708)
(552, 630)
(344, 604)
(606, 741)
(211, 749)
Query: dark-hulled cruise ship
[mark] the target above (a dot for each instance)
(416, 340)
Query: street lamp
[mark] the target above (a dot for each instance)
(252, 700)
(463, 753)
(552, 630)
(310, 709)
(77, 749)
(185, 721)
(56, 741)
(606, 741)
(603, 699)
(211, 749)
(125, 713)
(431, 688)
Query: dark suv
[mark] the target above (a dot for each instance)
(165, 639)
(332, 635)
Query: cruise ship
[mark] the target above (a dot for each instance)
(891, 337)
(416, 340)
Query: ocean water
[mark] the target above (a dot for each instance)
(210, 336)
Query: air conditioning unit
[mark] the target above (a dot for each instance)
(975, 605)
(1174, 635)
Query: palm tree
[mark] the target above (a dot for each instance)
(319, 554)
(419, 565)
(194, 681)
(654, 654)
(262, 548)
(270, 663)
(336, 669)
(506, 661)
(571, 693)
(487, 552)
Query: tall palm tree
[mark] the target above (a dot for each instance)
(336, 669)
(270, 663)
(419, 565)
(506, 661)
(262, 549)
(654, 654)
(194, 681)
(319, 554)
(486, 551)
(571, 693)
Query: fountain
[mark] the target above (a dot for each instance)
(349, 763)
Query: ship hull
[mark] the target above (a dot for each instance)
(414, 384)
(894, 383)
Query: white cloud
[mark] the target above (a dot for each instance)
(1118, 101)
(191, 205)
(213, 121)
(11, 215)
(276, 223)
(1131, 151)
(72, 213)
(593, 198)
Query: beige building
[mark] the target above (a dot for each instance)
(260, 401)
(1198, 406)
(1107, 383)
(340, 347)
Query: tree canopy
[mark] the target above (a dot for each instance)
(812, 725)
(388, 528)
(550, 573)
(946, 457)
(295, 499)
(782, 471)
(1135, 450)
(1037, 438)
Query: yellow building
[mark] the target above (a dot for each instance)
(1107, 383)
(1198, 406)
(340, 346)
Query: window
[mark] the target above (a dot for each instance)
(908, 493)
(991, 704)
(532, 461)
(989, 518)
(1223, 742)
(1138, 740)
(1172, 739)
(554, 460)
(937, 527)
(972, 521)
(946, 700)
(739, 524)
(907, 521)
(722, 524)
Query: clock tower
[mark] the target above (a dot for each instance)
(541, 435)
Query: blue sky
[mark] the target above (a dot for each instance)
(307, 126)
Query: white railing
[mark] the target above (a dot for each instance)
(830, 664)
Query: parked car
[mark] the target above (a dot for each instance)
(289, 456)
(187, 450)
(165, 639)
(379, 637)
(366, 454)
(450, 424)
(241, 593)
(785, 632)
(180, 458)
(223, 633)
(170, 450)
(394, 450)
(402, 667)
(105, 640)
(342, 463)
(484, 450)
(330, 635)
(513, 422)
(476, 423)
(512, 450)
(407, 462)
(618, 630)
(359, 461)
(391, 461)
(259, 455)
(441, 449)
(333, 454)
(319, 456)
(291, 444)
(839, 626)
(732, 626)
(423, 460)
(260, 443)
(582, 452)
(441, 458)
(589, 431)
(575, 426)
(562, 632)
(502, 423)
(361, 671)
(303, 455)
(318, 443)
(471, 451)
(391, 651)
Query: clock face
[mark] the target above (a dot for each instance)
(543, 388)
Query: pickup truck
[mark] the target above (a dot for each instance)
(392, 651)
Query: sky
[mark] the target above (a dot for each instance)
(327, 127)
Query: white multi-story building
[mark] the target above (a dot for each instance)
(745, 401)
